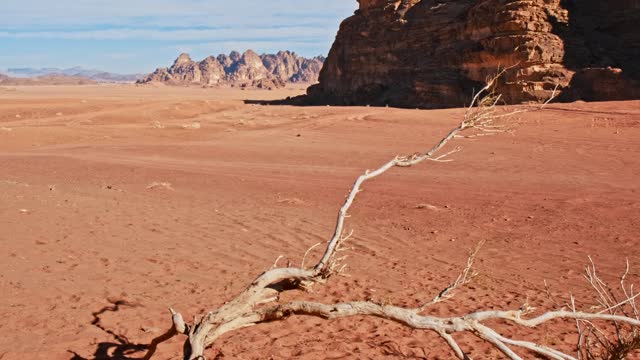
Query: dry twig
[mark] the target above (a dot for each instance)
(255, 305)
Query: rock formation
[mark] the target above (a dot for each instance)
(287, 65)
(434, 53)
(241, 70)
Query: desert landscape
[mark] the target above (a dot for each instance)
(453, 180)
(119, 201)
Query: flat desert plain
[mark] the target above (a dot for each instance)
(119, 201)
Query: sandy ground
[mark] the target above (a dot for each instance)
(179, 197)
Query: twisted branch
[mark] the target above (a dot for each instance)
(251, 307)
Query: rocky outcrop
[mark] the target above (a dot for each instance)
(241, 70)
(287, 65)
(434, 53)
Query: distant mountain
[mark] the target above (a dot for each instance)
(45, 80)
(76, 72)
(265, 71)
(31, 72)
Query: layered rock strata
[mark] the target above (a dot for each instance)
(430, 53)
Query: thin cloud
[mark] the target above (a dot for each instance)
(138, 35)
(292, 32)
(21, 14)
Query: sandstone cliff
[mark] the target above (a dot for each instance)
(430, 53)
(241, 70)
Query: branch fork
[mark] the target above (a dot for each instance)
(258, 303)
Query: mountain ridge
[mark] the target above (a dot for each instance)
(52, 79)
(246, 70)
(75, 72)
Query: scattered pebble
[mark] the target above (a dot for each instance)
(160, 185)
(427, 206)
(157, 125)
(291, 201)
(193, 126)
(111, 187)
(148, 329)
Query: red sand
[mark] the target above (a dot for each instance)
(83, 227)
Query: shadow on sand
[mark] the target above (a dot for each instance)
(121, 348)
(301, 100)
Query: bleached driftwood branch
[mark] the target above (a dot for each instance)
(258, 302)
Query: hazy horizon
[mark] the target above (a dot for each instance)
(138, 36)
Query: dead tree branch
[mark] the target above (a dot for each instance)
(252, 306)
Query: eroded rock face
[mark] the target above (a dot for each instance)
(242, 70)
(212, 72)
(429, 53)
(288, 65)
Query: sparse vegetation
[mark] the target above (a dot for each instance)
(619, 340)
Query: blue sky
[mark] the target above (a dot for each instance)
(129, 36)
